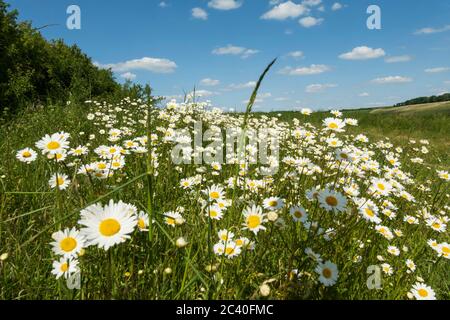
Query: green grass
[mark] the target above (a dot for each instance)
(30, 212)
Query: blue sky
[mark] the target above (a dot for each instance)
(327, 57)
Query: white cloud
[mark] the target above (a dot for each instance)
(336, 6)
(199, 13)
(437, 70)
(203, 93)
(447, 82)
(224, 4)
(250, 84)
(155, 65)
(284, 11)
(209, 82)
(316, 88)
(364, 94)
(363, 53)
(236, 51)
(128, 76)
(311, 3)
(396, 59)
(392, 79)
(163, 4)
(309, 22)
(281, 99)
(305, 71)
(432, 30)
(296, 54)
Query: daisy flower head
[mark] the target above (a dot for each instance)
(332, 200)
(369, 211)
(59, 180)
(336, 113)
(254, 218)
(334, 124)
(410, 265)
(214, 212)
(298, 213)
(443, 249)
(421, 291)
(26, 155)
(108, 226)
(306, 111)
(79, 151)
(387, 269)
(55, 143)
(228, 249)
(381, 186)
(393, 250)
(273, 203)
(68, 242)
(225, 235)
(143, 221)
(215, 193)
(65, 267)
(328, 273)
(443, 175)
(186, 183)
(173, 219)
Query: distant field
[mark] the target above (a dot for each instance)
(399, 124)
(438, 107)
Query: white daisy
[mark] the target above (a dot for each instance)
(328, 273)
(26, 155)
(68, 242)
(108, 226)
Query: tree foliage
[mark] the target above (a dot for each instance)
(34, 71)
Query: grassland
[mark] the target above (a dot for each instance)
(283, 263)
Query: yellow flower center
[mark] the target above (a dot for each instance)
(112, 150)
(327, 273)
(423, 293)
(229, 250)
(64, 267)
(170, 221)
(239, 242)
(53, 145)
(141, 223)
(68, 244)
(369, 212)
(253, 221)
(26, 154)
(213, 213)
(446, 250)
(333, 125)
(102, 166)
(109, 227)
(60, 181)
(59, 156)
(436, 225)
(331, 201)
(273, 203)
(214, 195)
(298, 214)
(381, 186)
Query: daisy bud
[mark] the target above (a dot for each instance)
(264, 290)
(140, 272)
(167, 271)
(4, 256)
(272, 216)
(181, 242)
